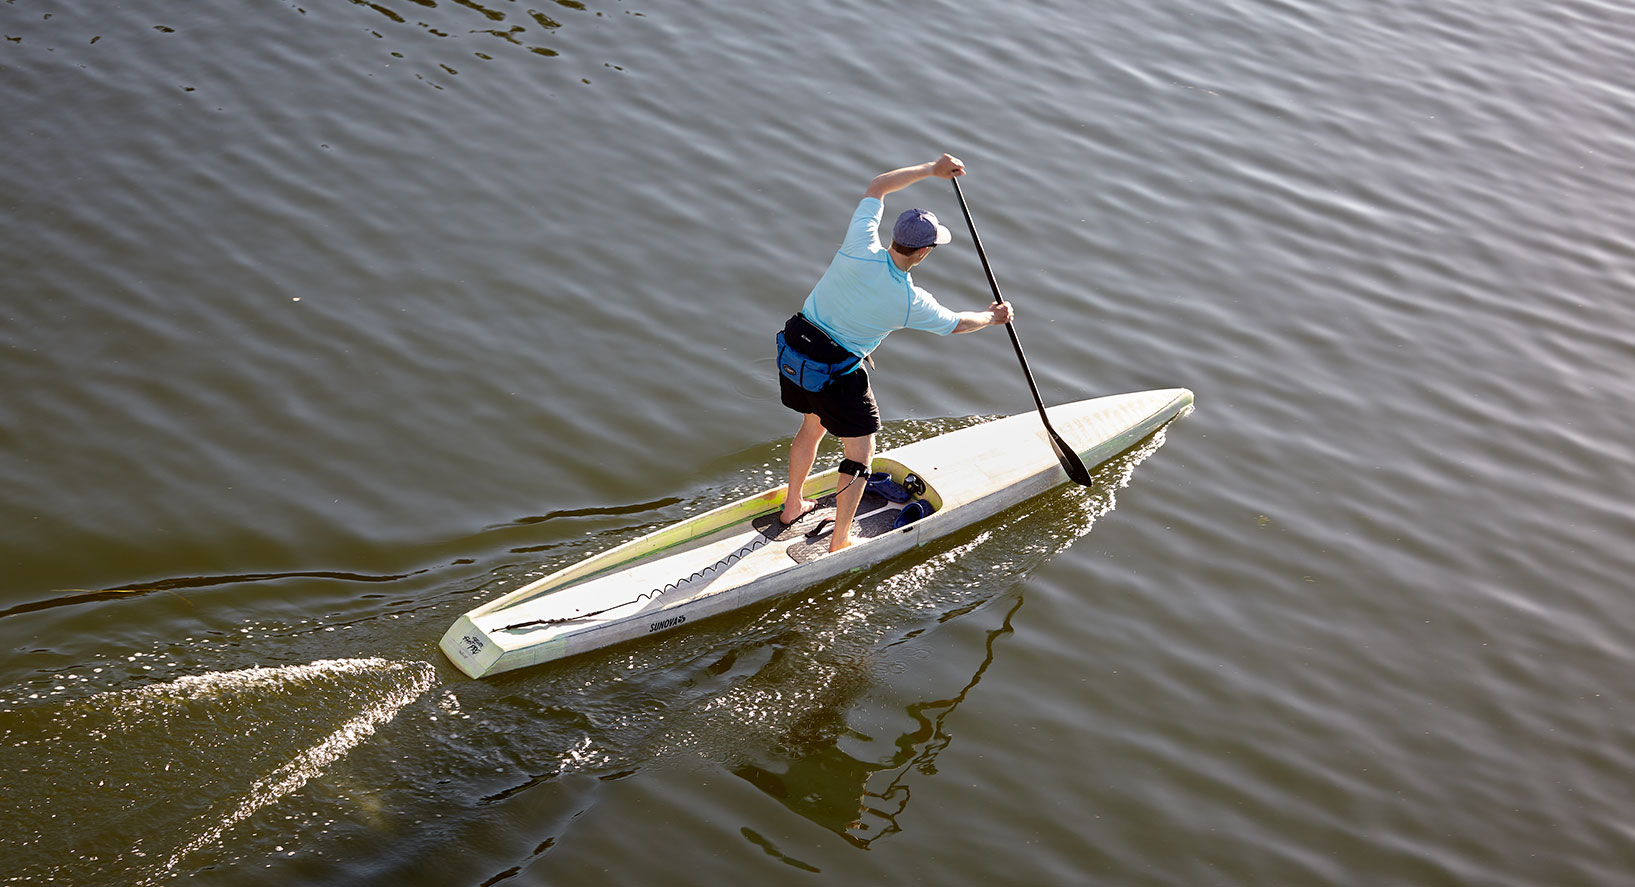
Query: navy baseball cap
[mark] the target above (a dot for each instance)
(918, 228)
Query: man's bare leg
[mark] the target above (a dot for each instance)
(802, 453)
(858, 449)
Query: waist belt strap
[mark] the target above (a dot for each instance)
(809, 358)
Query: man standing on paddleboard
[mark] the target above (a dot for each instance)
(865, 295)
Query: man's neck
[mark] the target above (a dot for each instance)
(904, 263)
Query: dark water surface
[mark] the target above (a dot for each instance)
(321, 324)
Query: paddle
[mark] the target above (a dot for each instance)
(1071, 463)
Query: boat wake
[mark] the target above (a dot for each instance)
(833, 702)
(119, 763)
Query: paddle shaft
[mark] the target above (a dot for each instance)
(1071, 463)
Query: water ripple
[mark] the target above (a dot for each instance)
(271, 303)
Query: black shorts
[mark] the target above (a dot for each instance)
(845, 406)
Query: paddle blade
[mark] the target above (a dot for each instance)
(1071, 463)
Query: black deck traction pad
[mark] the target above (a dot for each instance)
(876, 515)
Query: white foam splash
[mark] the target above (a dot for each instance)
(416, 679)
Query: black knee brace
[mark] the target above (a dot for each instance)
(853, 468)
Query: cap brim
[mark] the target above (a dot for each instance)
(943, 234)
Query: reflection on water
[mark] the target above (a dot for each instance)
(434, 39)
(205, 772)
(499, 25)
(1363, 625)
(437, 39)
(808, 766)
(857, 799)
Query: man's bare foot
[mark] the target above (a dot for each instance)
(804, 507)
(838, 542)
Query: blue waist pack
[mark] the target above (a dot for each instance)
(809, 358)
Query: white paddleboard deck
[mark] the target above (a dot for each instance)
(739, 554)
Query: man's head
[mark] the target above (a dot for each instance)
(917, 229)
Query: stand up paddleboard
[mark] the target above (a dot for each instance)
(740, 554)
